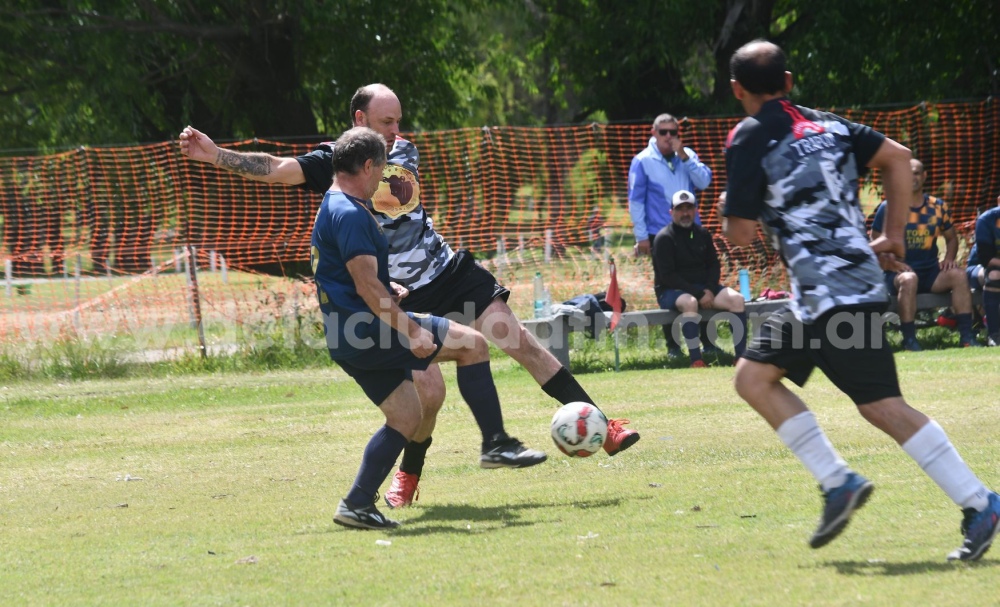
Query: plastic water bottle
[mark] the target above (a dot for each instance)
(745, 284)
(541, 310)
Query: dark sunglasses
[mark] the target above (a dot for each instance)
(672, 132)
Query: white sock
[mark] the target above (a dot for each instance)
(804, 437)
(935, 454)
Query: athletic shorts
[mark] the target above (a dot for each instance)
(848, 344)
(380, 369)
(972, 273)
(464, 288)
(925, 280)
(668, 298)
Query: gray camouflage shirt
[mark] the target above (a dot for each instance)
(797, 170)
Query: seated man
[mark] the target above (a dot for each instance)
(921, 271)
(686, 276)
(984, 269)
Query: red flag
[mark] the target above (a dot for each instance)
(613, 297)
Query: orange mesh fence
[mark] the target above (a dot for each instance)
(94, 240)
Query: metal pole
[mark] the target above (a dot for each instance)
(196, 301)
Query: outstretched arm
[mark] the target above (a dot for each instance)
(253, 165)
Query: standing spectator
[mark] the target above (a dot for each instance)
(659, 171)
(378, 344)
(686, 270)
(983, 269)
(438, 280)
(921, 272)
(796, 171)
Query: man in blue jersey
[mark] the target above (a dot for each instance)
(922, 271)
(796, 170)
(436, 279)
(983, 269)
(377, 343)
(663, 168)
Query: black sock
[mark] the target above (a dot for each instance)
(414, 455)
(475, 382)
(740, 345)
(380, 455)
(564, 388)
(668, 334)
(964, 326)
(690, 331)
(908, 329)
(706, 339)
(991, 305)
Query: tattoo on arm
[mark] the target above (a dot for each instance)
(257, 165)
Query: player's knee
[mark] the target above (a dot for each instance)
(747, 382)
(432, 397)
(955, 276)
(907, 282)
(406, 421)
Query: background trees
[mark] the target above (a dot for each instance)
(124, 71)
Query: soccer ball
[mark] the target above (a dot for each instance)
(579, 429)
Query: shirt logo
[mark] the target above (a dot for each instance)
(800, 126)
(398, 193)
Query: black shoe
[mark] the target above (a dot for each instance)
(508, 452)
(366, 517)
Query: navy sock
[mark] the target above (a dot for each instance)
(991, 302)
(740, 346)
(414, 455)
(380, 455)
(475, 382)
(690, 331)
(964, 326)
(909, 329)
(564, 388)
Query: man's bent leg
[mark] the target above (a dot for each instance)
(404, 487)
(402, 413)
(499, 325)
(468, 348)
(906, 283)
(956, 282)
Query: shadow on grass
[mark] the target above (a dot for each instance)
(433, 519)
(868, 568)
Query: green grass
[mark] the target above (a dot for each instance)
(708, 509)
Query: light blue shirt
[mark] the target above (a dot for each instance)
(652, 181)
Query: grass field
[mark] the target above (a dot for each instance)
(219, 490)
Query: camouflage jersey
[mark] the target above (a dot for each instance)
(417, 254)
(797, 170)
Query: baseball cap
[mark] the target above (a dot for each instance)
(682, 197)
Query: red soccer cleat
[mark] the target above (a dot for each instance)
(403, 491)
(698, 364)
(619, 439)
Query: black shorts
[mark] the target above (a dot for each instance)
(462, 292)
(848, 344)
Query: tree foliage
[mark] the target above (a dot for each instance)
(121, 71)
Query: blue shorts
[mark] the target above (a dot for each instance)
(379, 370)
(925, 280)
(973, 273)
(668, 298)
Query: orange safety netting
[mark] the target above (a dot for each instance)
(94, 240)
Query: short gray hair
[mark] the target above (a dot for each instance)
(355, 147)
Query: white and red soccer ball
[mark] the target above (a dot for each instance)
(579, 429)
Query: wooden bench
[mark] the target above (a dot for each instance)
(554, 332)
